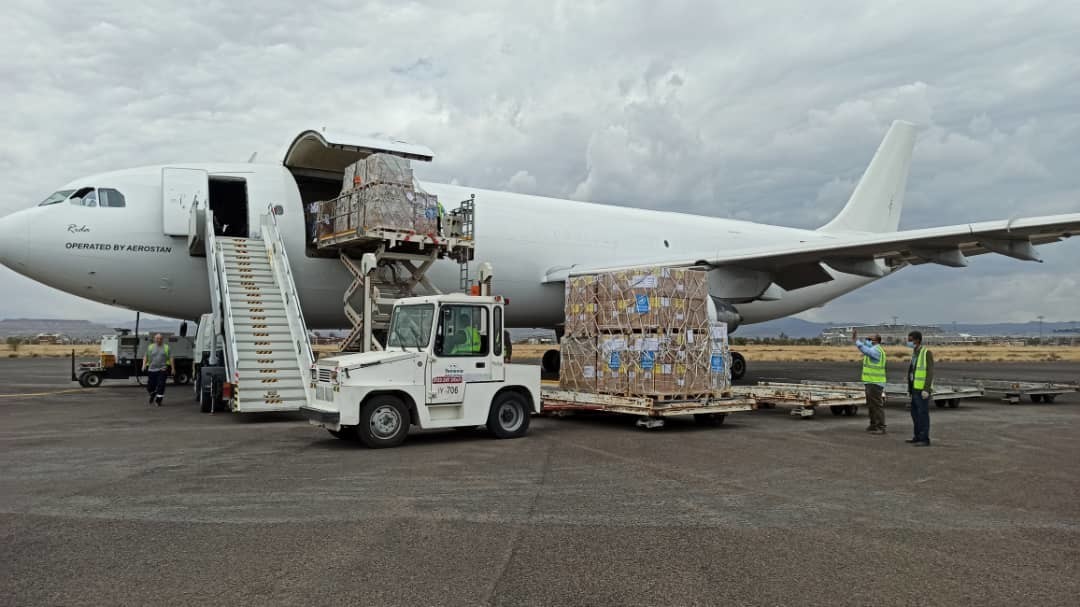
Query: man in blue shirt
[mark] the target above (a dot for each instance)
(873, 378)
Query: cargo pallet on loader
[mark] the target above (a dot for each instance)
(651, 411)
(803, 399)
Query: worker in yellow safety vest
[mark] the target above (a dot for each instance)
(468, 335)
(920, 386)
(873, 379)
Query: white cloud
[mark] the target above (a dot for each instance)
(767, 111)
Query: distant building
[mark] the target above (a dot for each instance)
(49, 339)
(892, 334)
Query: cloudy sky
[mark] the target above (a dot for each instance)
(766, 111)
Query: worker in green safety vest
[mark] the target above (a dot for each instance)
(873, 379)
(920, 386)
(440, 211)
(158, 365)
(468, 336)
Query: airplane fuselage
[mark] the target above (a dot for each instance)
(121, 256)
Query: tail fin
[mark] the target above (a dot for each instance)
(876, 203)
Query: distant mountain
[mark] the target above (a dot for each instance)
(796, 328)
(791, 326)
(84, 329)
(1030, 329)
(77, 329)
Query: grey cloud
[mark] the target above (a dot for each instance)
(767, 112)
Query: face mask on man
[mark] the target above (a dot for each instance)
(911, 344)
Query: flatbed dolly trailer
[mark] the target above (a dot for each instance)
(650, 411)
(943, 395)
(121, 357)
(804, 399)
(1036, 392)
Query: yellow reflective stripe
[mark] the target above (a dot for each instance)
(919, 381)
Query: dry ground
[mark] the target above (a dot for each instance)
(764, 352)
(757, 352)
(50, 351)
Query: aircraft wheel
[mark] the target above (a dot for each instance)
(738, 366)
(551, 362)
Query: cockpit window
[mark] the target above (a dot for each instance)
(108, 197)
(98, 197)
(55, 197)
(84, 197)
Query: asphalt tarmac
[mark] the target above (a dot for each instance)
(106, 501)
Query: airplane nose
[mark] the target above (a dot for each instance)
(14, 240)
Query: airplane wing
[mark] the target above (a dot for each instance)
(799, 264)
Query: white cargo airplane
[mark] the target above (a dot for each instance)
(120, 238)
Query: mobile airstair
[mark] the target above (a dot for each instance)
(266, 350)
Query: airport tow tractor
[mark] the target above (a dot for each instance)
(122, 355)
(443, 367)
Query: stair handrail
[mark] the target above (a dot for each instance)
(219, 292)
(283, 276)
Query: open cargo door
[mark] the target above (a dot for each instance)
(319, 155)
(180, 190)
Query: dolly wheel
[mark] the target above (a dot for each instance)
(92, 380)
(709, 419)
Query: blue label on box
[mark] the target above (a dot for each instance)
(642, 304)
(716, 363)
(648, 361)
(431, 213)
(614, 361)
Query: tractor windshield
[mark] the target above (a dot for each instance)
(411, 326)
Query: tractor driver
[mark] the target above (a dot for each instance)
(466, 336)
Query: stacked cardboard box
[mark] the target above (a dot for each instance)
(647, 332)
(379, 192)
(579, 360)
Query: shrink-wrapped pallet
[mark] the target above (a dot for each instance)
(387, 168)
(651, 330)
